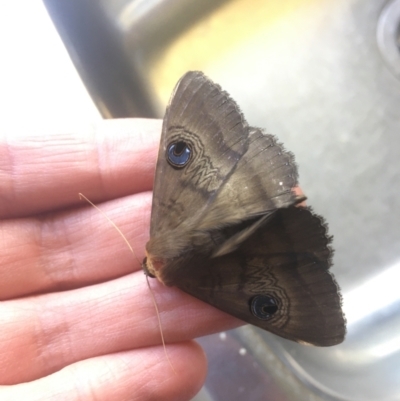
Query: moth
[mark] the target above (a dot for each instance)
(226, 224)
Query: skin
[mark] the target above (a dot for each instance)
(77, 319)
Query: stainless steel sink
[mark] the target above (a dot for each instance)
(324, 76)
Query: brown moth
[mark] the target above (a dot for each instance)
(225, 227)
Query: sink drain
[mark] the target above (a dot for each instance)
(388, 36)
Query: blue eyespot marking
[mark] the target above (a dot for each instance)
(263, 306)
(178, 154)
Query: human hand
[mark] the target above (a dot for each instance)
(77, 318)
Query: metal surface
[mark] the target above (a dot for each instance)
(323, 77)
(388, 35)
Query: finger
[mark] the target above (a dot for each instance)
(71, 249)
(135, 375)
(42, 334)
(106, 160)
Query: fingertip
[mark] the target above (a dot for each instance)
(183, 378)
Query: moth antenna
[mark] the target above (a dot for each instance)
(159, 324)
(81, 196)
